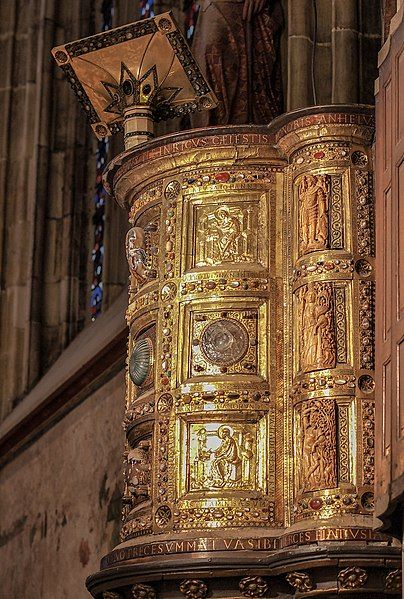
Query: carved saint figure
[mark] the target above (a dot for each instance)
(136, 252)
(313, 195)
(236, 44)
(317, 335)
(318, 454)
(226, 458)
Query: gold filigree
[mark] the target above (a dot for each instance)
(368, 435)
(336, 214)
(365, 215)
(366, 316)
(340, 324)
(224, 342)
(344, 471)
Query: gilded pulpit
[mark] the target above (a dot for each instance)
(250, 393)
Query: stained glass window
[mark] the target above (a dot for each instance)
(146, 9)
(191, 10)
(107, 10)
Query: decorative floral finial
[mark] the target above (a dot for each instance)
(253, 586)
(300, 581)
(352, 577)
(193, 589)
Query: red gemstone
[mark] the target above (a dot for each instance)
(319, 155)
(222, 177)
(316, 503)
(165, 380)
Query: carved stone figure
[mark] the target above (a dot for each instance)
(318, 452)
(313, 193)
(317, 335)
(236, 44)
(136, 252)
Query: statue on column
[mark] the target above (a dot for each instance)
(236, 44)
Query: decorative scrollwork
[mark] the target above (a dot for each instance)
(368, 434)
(364, 196)
(165, 403)
(172, 190)
(163, 516)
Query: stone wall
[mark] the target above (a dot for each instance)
(60, 505)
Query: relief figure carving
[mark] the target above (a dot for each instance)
(139, 471)
(225, 235)
(314, 196)
(317, 335)
(318, 452)
(221, 457)
(141, 251)
(136, 252)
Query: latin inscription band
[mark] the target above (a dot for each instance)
(234, 544)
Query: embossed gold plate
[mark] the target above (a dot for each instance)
(153, 66)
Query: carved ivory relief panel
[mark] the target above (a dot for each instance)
(317, 448)
(333, 314)
(313, 211)
(317, 340)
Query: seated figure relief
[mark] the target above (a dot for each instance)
(222, 458)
